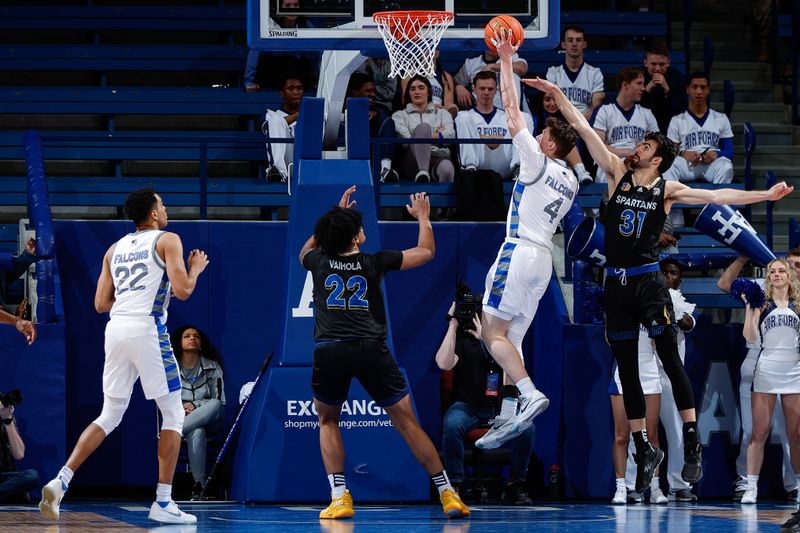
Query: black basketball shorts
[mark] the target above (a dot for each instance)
(367, 360)
(643, 299)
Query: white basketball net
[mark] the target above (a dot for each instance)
(411, 38)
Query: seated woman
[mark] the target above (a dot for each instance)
(203, 396)
(422, 119)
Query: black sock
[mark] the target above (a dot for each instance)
(690, 434)
(640, 441)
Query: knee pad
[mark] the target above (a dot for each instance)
(112, 413)
(171, 411)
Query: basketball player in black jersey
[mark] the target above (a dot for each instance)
(350, 335)
(635, 290)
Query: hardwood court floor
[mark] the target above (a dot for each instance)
(126, 517)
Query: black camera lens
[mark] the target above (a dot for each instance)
(13, 397)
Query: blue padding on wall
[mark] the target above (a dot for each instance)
(38, 203)
(358, 128)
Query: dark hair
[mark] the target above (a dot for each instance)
(423, 79)
(628, 75)
(334, 231)
(575, 28)
(667, 150)
(292, 76)
(484, 75)
(671, 261)
(657, 49)
(563, 135)
(794, 251)
(357, 81)
(207, 350)
(139, 203)
(699, 74)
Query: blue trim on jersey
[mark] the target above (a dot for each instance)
(501, 275)
(627, 114)
(487, 117)
(516, 198)
(161, 296)
(632, 271)
(726, 147)
(700, 120)
(655, 331)
(612, 387)
(572, 75)
(628, 335)
(391, 400)
(171, 370)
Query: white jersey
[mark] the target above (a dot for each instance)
(472, 124)
(141, 286)
(437, 90)
(473, 65)
(542, 195)
(697, 134)
(624, 129)
(778, 330)
(578, 87)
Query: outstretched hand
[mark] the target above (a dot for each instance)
(778, 191)
(502, 42)
(546, 86)
(420, 207)
(345, 201)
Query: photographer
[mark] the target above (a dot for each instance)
(14, 485)
(476, 396)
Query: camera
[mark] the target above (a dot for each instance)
(10, 398)
(468, 304)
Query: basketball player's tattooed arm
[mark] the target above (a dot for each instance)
(508, 89)
(677, 192)
(104, 295)
(183, 282)
(425, 249)
(609, 162)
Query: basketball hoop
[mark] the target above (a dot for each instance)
(411, 38)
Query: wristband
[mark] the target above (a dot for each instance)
(448, 318)
(7, 421)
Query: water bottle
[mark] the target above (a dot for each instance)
(555, 483)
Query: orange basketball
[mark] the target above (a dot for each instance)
(511, 25)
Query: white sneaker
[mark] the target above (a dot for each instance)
(620, 497)
(497, 434)
(585, 178)
(657, 496)
(51, 499)
(750, 495)
(170, 514)
(529, 408)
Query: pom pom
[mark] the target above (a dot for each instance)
(752, 292)
(679, 304)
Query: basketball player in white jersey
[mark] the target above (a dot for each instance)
(705, 138)
(581, 83)
(515, 283)
(622, 124)
(485, 121)
(138, 273)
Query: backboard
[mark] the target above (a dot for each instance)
(293, 25)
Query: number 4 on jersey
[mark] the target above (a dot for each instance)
(552, 208)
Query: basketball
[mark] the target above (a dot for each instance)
(511, 25)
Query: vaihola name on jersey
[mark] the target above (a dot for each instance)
(341, 265)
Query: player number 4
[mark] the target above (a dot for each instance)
(552, 209)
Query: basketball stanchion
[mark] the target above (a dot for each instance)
(235, 425)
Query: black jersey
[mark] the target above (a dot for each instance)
(348, 300)
(634, 221)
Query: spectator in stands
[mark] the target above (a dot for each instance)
(581, 83)
(267, 69)
(544, 107)
(664, 86)
(485, 121)
(487, 61)
(19, 265)
(421, 119)
(380, 123)
(443, 85)
(280, 123)
(14, 485)
(202, 394)
(476, 396)
(622, 125)
(747, 371)
(705, 138)
(386, 93)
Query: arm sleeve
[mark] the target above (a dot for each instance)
(551, 75)
(251, 66)
(600, 120)
(218, 385)
(725, 131)
(726, 148)
(672, 132)
(650, 120)
(401, 124)
(389, 259)
(597, 81)
(448, 126)
(462, 76)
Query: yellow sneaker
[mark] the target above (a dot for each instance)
(339, 507)
(452, 505)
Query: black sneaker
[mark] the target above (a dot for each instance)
(389, 175)
(422, 177)
(516, 494)
(646, 464)
(635, 497)
(793, 521)
(692, 462)
(275, 175)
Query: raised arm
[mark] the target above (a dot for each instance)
(508, 89)
(425, 249)
(446, 357)
(344, 202)
(677, 192)
(731, 273)
(183, 282)
(597, 148)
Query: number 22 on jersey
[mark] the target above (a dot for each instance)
(356, 286)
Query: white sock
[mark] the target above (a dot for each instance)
(65, 475)
(386, 163)
(526, 386)
(580, 169)
(620, 481)
(654, 484)
(338, 485)
(163, 494)
(752, 481)
(508, 408)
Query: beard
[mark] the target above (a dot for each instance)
(632, 162)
